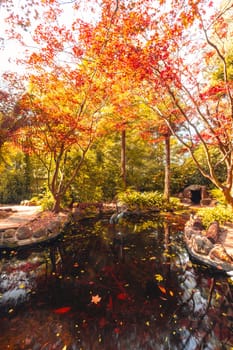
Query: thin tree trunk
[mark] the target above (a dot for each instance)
(167, 178)
(57, 205)
(123, 158)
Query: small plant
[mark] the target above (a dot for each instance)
(220, 213)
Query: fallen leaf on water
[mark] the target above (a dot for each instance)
(116, 330)
(95, 299)
(110, 304)
(158, 277)
(122, 296)
(62, 310)
(163, 290)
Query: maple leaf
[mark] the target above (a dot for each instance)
(95, 299)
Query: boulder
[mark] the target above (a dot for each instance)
(10, 233)
(213, 232)
(197, 224)
(54, 227)
(42, 232)
(23, 232)
(219, 253)
(201, 244)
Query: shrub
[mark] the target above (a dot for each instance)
(218, 195)
(147, 200)
(47, 202)
(220, 213)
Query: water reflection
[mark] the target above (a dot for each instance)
(128, 286)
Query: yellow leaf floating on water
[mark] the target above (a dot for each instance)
(158, 277)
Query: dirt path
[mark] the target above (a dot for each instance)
(20, 215)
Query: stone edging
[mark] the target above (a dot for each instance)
(205, 246)
(45, 227)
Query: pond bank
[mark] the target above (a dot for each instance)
(212, 247)
(29, 225)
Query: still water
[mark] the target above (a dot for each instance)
(122, 287)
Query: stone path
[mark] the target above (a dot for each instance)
(20, 215)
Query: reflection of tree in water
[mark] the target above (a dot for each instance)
(199, 326)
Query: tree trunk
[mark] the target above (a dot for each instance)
(123, 158)
(228, 196)
(57, 204)
(167, 177)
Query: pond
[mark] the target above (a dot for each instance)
(101, 286)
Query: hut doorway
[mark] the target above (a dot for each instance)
(195, 196)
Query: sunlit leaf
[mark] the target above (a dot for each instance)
(163, 290)
(95, 299)
(159, 277)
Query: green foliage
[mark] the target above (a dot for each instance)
(147, 200)
(185, 171)
(220, 213)
(218, 195)
(15, 176)
(47, 202)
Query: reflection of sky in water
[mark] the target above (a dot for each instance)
(15, 287)
(18, 279)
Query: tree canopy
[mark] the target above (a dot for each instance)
(153, 66)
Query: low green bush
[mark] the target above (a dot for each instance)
(47, 202)
(146, 200)
(218, 195)
(220, 213)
